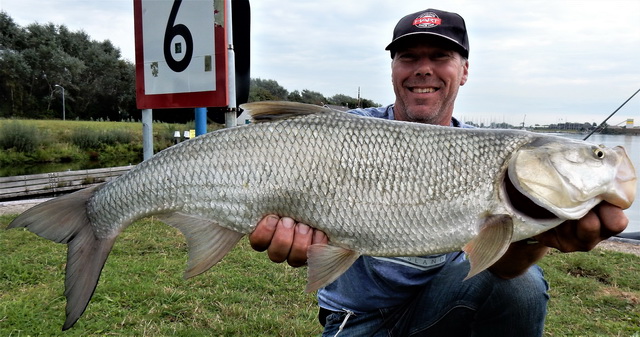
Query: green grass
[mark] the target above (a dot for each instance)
(142, 293)
(593, 294)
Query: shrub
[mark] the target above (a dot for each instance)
(86, 138)
(20, 137)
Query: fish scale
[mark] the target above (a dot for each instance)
(374, 186)
(222, 172)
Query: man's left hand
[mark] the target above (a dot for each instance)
(602, 222)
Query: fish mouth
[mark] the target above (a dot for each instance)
(524, 205)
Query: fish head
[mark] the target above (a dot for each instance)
(568, 177)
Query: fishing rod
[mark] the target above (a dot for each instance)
(613, 113)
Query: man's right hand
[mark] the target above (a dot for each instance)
(285, 240)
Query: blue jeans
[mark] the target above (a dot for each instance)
(483, 305)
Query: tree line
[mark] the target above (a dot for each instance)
(270, 90)
(38, 60)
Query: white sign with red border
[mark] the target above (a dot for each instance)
(180, 53)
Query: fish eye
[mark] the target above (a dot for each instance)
(598, 152)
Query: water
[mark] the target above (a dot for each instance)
(632, 146)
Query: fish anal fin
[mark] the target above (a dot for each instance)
(326, 263)
(208, 242)
(277, 110)
(490, 244)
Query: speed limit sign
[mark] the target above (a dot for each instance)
(181, 57)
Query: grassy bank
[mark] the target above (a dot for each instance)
(142, 293)
(33, 142)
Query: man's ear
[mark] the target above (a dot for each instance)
(465, 74)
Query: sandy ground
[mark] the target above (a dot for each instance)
(627, 246)
(619, 245)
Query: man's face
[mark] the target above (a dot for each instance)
(426, 79)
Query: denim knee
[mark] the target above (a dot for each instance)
(530, 287)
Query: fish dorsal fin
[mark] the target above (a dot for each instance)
(267, 111)
(207, 241)
(326, 263)
(490, 244)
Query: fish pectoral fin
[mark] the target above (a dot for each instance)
(326, 263)
(490, 244)
(208, 242)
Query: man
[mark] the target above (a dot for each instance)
(426, 295)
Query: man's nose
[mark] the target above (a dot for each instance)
(424, 67)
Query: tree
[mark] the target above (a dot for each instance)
(33, 60)
(266, 90)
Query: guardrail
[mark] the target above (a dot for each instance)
(48, 184)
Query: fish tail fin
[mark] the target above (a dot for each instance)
(64, 220)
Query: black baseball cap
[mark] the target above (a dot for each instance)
(432, 23)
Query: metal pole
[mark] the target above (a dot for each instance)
(230, 116)
(201, 121)
(63, 105)
(147, 133)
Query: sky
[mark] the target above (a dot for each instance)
(537, 62)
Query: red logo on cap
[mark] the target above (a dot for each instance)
(427, 20)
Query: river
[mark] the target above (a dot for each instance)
(632, 146)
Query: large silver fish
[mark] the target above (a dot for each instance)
(376, 187)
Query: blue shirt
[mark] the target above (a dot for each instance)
(382, 282)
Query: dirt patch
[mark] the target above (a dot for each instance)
(629, 297)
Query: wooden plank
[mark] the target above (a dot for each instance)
(56, 182)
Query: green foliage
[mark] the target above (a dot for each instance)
(270, 90)
(142, 292)
(89, 138)
(80, 145)
(37, 58)
(19, 137)
(266, 90)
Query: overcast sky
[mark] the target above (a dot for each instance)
(551, 61)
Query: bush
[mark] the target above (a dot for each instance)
(86, 138)
(20, 137)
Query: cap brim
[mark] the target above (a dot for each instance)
(453, 43)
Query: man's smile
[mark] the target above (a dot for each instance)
(418, 90)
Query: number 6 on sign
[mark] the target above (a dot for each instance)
(170, 33)
(176, 52)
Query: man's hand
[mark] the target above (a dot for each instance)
(601, 223)
(285, 240)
